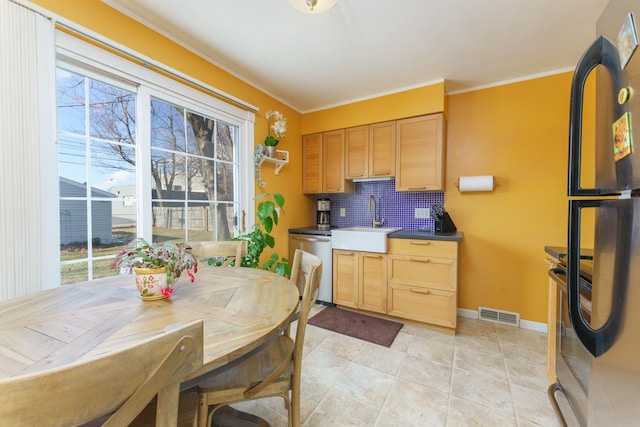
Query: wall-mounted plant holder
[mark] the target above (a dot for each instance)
(280, 159)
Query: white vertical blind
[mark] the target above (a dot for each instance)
(29, 255)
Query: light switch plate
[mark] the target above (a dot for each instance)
(422, 212)
(343, 212)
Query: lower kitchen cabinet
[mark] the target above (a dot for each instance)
(423, 280)
(345, 278)
(360, 280)
(423, 304)
(416, 279)
(372, 283)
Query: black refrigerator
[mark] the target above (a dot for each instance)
(598, 347)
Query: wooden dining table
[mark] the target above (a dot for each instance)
(242, 309)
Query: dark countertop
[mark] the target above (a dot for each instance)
(559, 252)
(400, 234)
(426, 235)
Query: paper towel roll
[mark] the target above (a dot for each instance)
(475, 183)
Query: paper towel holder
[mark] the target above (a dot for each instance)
(466, 184)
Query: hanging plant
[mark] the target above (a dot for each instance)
(257, 164)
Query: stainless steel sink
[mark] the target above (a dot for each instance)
(367, 239)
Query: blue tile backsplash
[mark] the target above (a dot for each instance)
(397, 208)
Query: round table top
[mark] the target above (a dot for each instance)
(242, 308)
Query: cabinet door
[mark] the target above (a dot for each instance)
(420, 153)
(333, 163)
(373, 282)
(312, 163)
(345, 278)
(382, 149)
(357, 152)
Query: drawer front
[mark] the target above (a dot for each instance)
(424, 305)
(424, 272)
(435, 248)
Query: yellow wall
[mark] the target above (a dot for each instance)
(414, 102)
(517, 132)
(102, 19)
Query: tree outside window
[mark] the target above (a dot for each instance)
(194, 171)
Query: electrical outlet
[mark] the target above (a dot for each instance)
(422, 212)
(343, 212)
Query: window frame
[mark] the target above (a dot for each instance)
(93, 61)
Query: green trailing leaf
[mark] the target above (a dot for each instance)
(268, 224)
(279, 199)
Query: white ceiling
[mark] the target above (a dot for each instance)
(363, 48)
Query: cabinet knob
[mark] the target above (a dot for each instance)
(420, 291)
(420, 242)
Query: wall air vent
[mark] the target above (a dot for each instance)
(500, 316)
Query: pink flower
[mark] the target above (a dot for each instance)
(167, 292)
(191, 276)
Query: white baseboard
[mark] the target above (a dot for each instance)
(471, 314)
(524, 324)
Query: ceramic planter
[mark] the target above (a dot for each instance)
(151, 282)
(270, 150)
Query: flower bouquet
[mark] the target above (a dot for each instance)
(279, 128)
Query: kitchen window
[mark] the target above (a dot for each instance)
(141, 155)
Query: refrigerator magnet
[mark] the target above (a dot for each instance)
(622, 143)
(627, 40)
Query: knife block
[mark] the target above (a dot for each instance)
(444, 224)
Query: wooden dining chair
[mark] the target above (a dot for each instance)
(275, 369)
(120, 384)
(231, 250)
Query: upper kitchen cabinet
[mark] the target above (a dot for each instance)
(420, 153)
(333, 154)
(312, 163)
(371, 151)
(323, 163)
(357, 152)
(382, 149)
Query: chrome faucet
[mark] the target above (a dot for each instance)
(375, 223)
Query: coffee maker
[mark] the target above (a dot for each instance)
(323, 214)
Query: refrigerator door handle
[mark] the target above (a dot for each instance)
(601, 52)
(598, 341)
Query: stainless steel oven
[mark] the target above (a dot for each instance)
(573, 360)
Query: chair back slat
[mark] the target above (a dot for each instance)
(231, 250)
(122, 383)
(308, 269)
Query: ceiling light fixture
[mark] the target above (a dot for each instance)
(313, 6)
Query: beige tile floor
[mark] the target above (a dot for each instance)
(486, 375)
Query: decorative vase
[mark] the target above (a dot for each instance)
(151, 282)
(270, 150)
